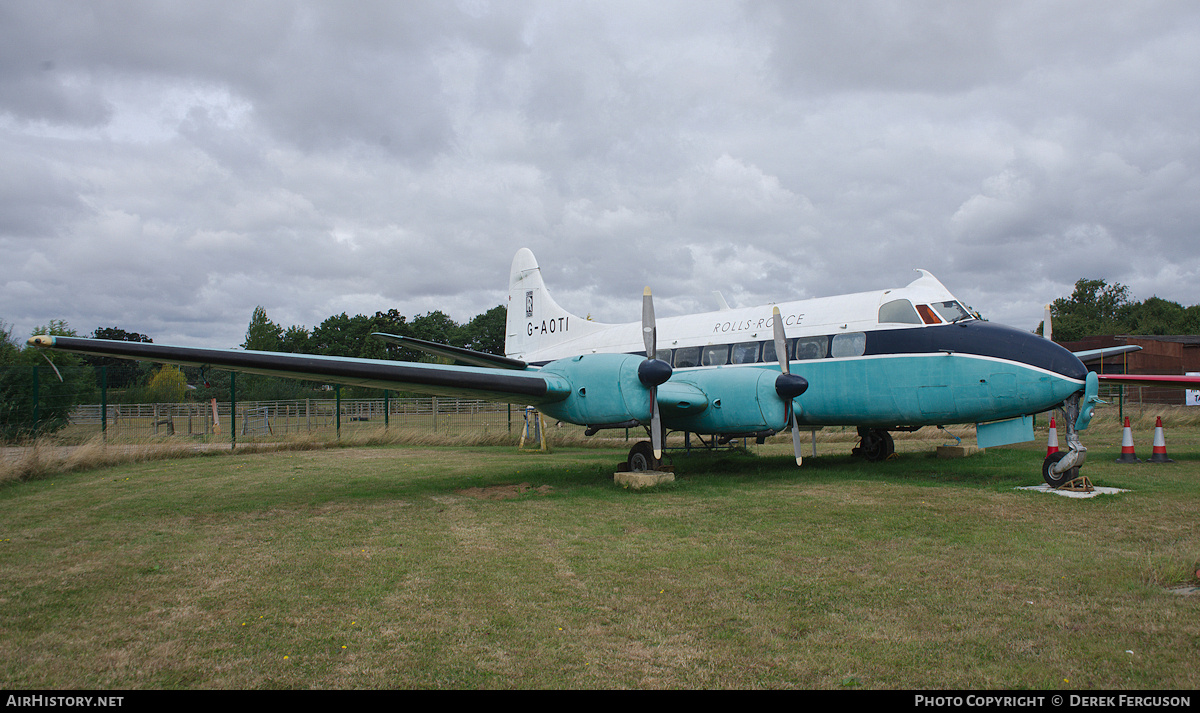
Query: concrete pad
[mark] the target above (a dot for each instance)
(957, 451)
(642, 479)
(1097, 490)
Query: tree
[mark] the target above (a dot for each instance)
(262, 334)
(485, 333)
(167, 386)
(1095, 307)
(1159, 316)
(295, 340)
(118, 373)
(37, 392)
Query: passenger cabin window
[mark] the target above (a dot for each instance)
(688, 356)
(811, 348)
(849, 345)
(715, 355)
(744, 353)
(768, 351)
(899, 311)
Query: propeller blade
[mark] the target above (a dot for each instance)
(787, 385)
(650, 338)
(780, 340)
(796, 438)
(649, 328)
(655, 426)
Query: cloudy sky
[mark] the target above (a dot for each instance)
(166, 166)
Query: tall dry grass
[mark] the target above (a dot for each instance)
(46, 457)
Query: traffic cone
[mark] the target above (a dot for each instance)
(1127, 454)
(1160, 444)
(1052, 442)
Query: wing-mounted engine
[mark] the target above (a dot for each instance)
(605, 390)
(739, 401)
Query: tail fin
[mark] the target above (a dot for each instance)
(536, 325)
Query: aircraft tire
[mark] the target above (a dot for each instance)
(876, 445)
(1055, 480)
(641, 457)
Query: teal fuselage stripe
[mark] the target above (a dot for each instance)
(916, 389)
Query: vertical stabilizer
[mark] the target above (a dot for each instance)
(536, 324)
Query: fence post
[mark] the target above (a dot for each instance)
(337, 394)
(104, 403)
(36, 410)
(232, 410)
(386, 394)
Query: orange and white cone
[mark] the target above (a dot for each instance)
(1127, 454)
(1160, 444)
(1052, 442)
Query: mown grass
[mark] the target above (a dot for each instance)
(370, 567)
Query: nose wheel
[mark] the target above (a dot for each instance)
(1057, 480)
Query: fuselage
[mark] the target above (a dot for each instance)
(903, 357)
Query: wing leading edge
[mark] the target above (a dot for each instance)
(492, 384)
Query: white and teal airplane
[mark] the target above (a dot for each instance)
(889, 360)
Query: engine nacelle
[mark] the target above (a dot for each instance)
(605, 389)
(740, 400)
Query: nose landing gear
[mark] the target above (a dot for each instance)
(1061, 468)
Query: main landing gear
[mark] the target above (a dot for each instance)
(875, 444)
(641, 457)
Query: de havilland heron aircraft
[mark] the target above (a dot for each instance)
(882, 361)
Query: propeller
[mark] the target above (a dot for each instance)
(653, 371)
(787, 384)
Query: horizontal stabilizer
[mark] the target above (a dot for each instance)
(460, 355)
(1097, 354)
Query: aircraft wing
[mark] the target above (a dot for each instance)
(1174, 381)
(493, 384)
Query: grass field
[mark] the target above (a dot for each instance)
(481, 567)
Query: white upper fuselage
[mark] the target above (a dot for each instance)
(550, 333)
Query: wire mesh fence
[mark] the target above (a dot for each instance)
(266, 419)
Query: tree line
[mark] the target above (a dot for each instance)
(34, 401)
(1096, 308)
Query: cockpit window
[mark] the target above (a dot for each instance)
(900, 311)
(951, 311)
(928, 315)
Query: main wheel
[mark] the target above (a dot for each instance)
(641, 457)
(1056, 480)
(876, 445)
